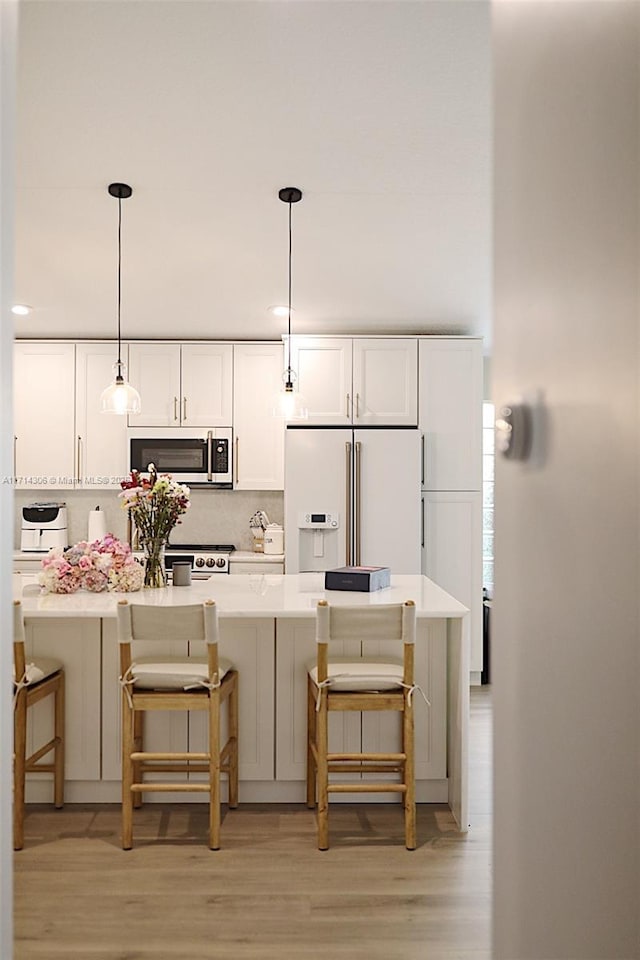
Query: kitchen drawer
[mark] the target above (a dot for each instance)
(256, 567)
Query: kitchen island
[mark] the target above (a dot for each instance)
(268, 631)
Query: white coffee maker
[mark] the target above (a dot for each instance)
(44, 525)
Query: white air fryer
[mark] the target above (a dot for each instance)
(44, 525)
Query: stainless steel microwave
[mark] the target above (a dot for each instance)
(199, 458)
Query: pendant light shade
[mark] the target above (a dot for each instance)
(120, 397)
(290, 404)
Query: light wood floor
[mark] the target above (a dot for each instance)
(268, 894)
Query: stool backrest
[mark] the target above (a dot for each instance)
(391, 621)
(188, 623)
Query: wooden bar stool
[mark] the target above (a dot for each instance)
(190, 683)
(32, 681)
(364, 683)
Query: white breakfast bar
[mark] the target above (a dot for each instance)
(268, 631)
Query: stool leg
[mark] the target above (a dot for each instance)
(233, 733)
(409, 775)
(19, 758)
(311, 738)
(127, 773)
(323, 772)
(58, 768)
(138, 746)
(214, 769)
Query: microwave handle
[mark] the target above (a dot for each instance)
(209, 465)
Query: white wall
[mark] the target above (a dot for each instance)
(8, 21)
(566, 660)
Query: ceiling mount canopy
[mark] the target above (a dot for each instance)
(290, 403)
(120, 397)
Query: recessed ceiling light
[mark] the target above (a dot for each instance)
(280, 311)
(21, 309)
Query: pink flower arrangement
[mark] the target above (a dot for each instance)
(105, 564)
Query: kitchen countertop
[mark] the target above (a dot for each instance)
(244, 556)
(252, 595)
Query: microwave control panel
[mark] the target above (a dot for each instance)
(220, 456)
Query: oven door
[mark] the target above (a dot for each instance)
(199, 459)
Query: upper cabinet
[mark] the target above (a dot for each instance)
(44, 449)
(259, 436)
(182, 385)
(451, 412)
(101, 439)
(358, 381)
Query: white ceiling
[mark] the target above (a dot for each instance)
(378, 111)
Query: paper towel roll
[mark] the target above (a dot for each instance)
(97, 525)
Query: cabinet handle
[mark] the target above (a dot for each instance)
(175, 408)
(236, 458)
(348, 398)
(79, 458)
(422, 523)
(15, 458)
(422, 461)
(184, 404)
(357, 404)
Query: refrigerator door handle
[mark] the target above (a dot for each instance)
(358, 498)
(349, 505)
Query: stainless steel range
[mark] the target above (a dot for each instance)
(205, 559)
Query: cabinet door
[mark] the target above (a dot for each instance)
(381, 732)
(259, 436)
(249, 645)
(44, 444)
(163, 730)
(385, 382)
(451, 413)
(323, 368)
(154, 370)
(207, 380)
(452, 555)
(101, 438)
(76, 644)
(296, 648)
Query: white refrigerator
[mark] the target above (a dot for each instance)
(352, 497)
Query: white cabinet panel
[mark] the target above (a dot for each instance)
(296, 649)
(324, 369)
(385, 382)
(44, 402)
(206, 385)
(76, 644)
(259, 436)
(101, 438)
(249, 645)
(452, 554)
(154, 370)
(451, 412)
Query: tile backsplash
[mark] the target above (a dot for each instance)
(215, 516)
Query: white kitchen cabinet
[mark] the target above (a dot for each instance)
(258, 434)
(44, 401)
(351, 732)
(452, 554)
(358, 381)
(249, 645)
(76, 643)
(101, 439)
(164, 730)
(182, 385)
(451, 412)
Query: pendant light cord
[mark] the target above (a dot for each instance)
(119, 282)
(289, 325)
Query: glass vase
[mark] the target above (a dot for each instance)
(155, 574)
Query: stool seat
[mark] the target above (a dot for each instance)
(37, 670)
(174, 673)
(361, 674)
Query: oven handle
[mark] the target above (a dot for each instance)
(209, 464)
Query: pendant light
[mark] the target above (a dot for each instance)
(290, 403)
(120, 397)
